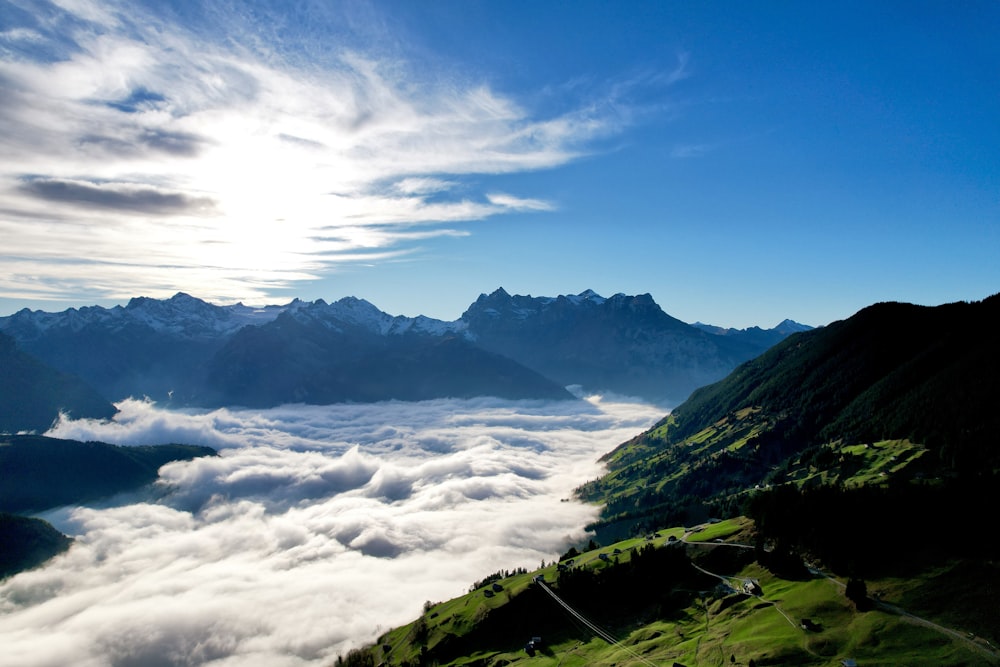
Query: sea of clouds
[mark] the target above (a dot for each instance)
(315, 529)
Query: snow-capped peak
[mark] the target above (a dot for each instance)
(181, 315)
(585, 296)
(359, 312)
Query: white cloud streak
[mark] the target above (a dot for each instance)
(316, 526)
(143, 158)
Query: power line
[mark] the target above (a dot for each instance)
(595, 629)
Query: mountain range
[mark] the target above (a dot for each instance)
(184, 351)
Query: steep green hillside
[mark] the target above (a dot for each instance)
(891, 371)
(897, 392)
(681, 598)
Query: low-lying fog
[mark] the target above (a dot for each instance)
(314, 530)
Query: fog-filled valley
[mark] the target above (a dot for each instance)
(315, 527)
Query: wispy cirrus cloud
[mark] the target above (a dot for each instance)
(684, 151)
(518, 203)
(162, 156)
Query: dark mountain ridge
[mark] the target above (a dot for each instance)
(40, 473)
(756, 336)
(26, 542)
(148, 348)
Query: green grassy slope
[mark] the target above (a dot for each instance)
(670, 612)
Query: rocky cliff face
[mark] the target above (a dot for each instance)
(624, 344)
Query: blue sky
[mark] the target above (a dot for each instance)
(741, 162)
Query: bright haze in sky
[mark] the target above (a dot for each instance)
(741, 162)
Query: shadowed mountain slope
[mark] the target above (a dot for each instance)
(40, 473)
(896, 372)
(892, 370)
(26, 542)
(32, 395)
(624, 344)
(317, 356)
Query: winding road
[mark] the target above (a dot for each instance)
(981, 646)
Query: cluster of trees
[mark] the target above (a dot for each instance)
(25, 542)
(653, 578)
(872, 530)
(496, 576)
(357, 657)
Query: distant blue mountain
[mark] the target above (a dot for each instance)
(755, 336)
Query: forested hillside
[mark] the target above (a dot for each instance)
(40, 473)
(26, 542)
(897, 392)
(893, 370)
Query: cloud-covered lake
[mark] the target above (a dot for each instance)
(317, 527)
